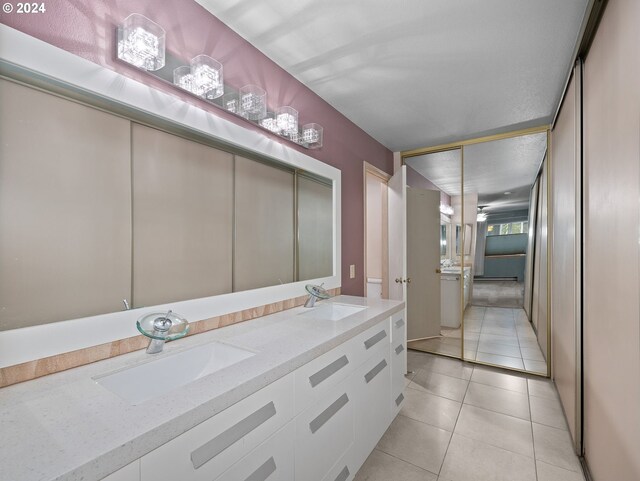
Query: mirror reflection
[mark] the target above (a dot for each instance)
(102, 214)
(501, 176)
(492, 252)
(434, 217)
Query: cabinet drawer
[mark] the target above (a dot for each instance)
(373, 341)
(398, 328)
(270, 461)
(372, 416)
(208, 449)
(324, 432)
(344, 470)
(317, 377)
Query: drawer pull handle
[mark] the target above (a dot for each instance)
(372, 341)
(344, 474)
(264, 471)
(399, 323)
(368, 377)
(399, 349)
(399, 399)
(328, 413)
(222, 441)
(328, 371)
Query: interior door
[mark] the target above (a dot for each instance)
(423, 269)
(397, 212)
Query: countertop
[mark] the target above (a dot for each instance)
(68, 427)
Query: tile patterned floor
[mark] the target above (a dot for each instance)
(496, 335)
(462, 422)
(498, 293)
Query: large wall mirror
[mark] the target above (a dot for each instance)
(116, 199)
(493, 306)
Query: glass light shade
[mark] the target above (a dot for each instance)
(231, 103)
(287, 119)
(481, 217)
(270, 123)
(253, 102)
(446, 209)
(208, 81)
(141, 42)
(182, 78)
(312, 135)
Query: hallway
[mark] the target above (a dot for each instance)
(466, 423)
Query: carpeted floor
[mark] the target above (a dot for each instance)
(498, 293)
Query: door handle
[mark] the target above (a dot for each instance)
(438, 271)
(398, 280)
(408, 280)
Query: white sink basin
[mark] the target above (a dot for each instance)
(146, 381)
(332, 312)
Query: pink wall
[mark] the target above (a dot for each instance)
(87, 28)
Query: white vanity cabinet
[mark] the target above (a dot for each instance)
(204, 452)
(131, 472)
(318, 423)
(398, 357)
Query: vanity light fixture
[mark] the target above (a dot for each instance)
(141, 42)
(312, 135)
(270, 123)
(207, 77)
(446, 209)
(253, 102)
(182, 78)
(230, 103)
(287, 119)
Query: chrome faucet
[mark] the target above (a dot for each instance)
(161, 326)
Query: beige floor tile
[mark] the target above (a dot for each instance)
(498, 379)
(498, 400)
(471, 336)
(381, 466)
(498, 360)
(499, 313)
(532, 354)
(533, 344)
(535, 366)
(548, 412)
(469, 460)
(450, 367)
(418, 360)
(415, 442)
(500, 331)
(470, 355)
(499, 430)
(542, 388)
(509, 340)
(498, 348)
(548, 472)
(554, 446)
(431, 409)
(440, 384)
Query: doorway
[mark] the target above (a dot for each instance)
(376, 250)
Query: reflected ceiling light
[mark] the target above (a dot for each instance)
(508, 192)
(141, 42)
(446, 209)
(481, 217)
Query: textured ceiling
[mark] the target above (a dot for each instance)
(490, 169)
(417, 73)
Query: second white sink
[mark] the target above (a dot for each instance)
(332, 312)
(159, 376)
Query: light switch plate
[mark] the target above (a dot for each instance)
(352, 271)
